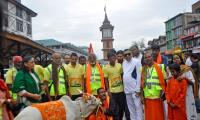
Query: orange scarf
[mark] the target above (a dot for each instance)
(88, 75)
(159, 59)
(100, 115)
(106, 103)
(51, 110)
(160, 76)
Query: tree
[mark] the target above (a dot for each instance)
(141, 45)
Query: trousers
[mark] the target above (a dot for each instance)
(134, 106)
(120, 100)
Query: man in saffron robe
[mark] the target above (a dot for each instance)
(108, 111)
(94, 75)
(176, 95)
(153, 87)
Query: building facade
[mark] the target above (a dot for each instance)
(63, 48)
(107, 36)
(175, 28)
(191, 38)
(161, 41)
(196, 7)
(17, 18)
(16, 34)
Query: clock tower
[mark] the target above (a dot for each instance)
(107, 36)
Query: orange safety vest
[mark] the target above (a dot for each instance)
(100, 115)
(54, 110)
(160, 76)
(88, 75)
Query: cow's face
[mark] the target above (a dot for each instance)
(88, 104)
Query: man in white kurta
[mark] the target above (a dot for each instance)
(132, 80)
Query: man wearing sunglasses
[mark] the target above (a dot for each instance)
(136, 52)
(132, 79)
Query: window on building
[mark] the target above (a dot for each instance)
(196, 29)
(198, 10)
(178, 21)
(194, 42)
(175, 23)
(5, 20)
(19, 25)
(181, 30)
(19, 12)
(189, 44)
(29, 29)
(198, 42)
(192, 30)
(176, 32)
(28, 17)
(188, 31)
(184, 45)
(107, 44)
(185, 32)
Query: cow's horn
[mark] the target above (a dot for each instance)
(80, 91)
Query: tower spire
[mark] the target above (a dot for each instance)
(106, 17)
(105, 8)
(107, 35)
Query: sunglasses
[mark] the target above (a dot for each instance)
(127, 54)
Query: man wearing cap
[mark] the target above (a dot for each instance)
(11, 73)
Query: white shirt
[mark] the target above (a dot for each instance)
(139, 58)
(131, 85)
(36, 80)
(188, 62)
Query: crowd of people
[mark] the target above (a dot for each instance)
(132, 84)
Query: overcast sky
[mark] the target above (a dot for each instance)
(78, 21)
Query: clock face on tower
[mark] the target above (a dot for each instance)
(107, 33)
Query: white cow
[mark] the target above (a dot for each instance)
(76, 110)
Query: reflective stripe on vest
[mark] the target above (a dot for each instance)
(14, 73)
(88, 79)
(61, 85)
(95, 81)
(152, 87)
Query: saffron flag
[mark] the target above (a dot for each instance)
(90, 49)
